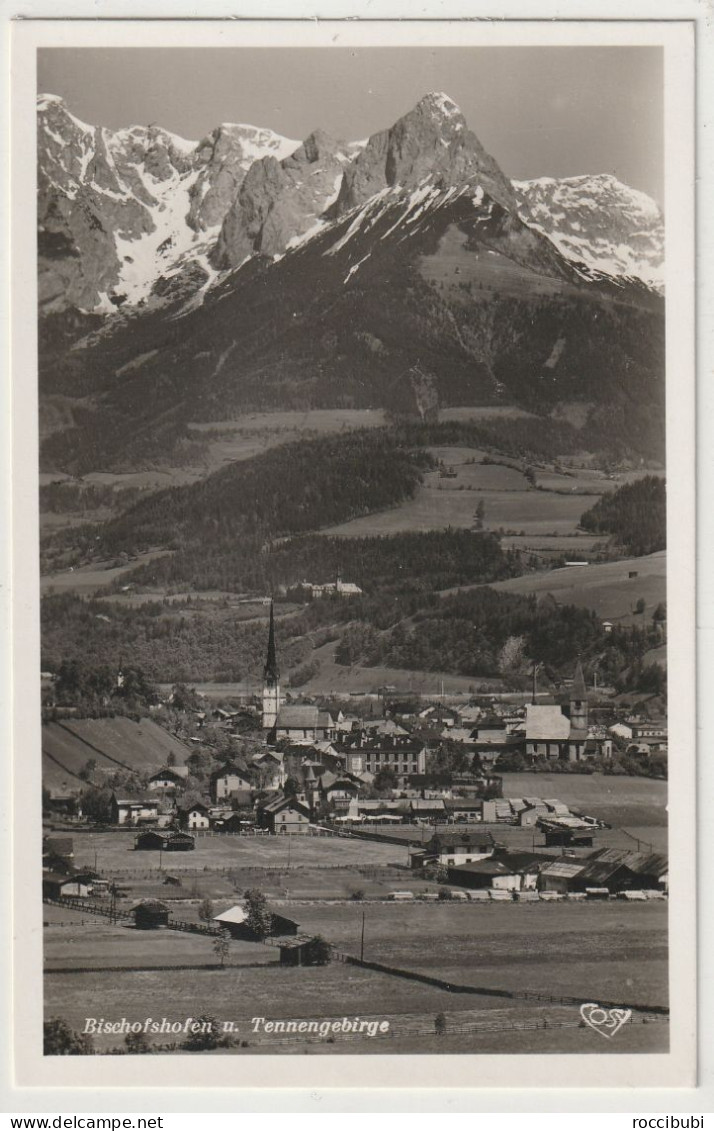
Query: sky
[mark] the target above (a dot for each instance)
(540, 111)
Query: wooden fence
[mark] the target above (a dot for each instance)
(491, 991)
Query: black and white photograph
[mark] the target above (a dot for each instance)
(351, 479)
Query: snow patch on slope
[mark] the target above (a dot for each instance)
(599, 223)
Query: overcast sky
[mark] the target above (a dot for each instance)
(540, 111)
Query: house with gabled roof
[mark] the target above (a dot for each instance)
(194, 814)
(281, 814)
(227, 781)
(559, 876)
(235, 921)
(133, 809)
(449, 848)
(171, 779)
(507, 871)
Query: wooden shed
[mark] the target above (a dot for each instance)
(167, 841)
(150, 914)
(296, 951)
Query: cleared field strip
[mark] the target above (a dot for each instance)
(112, 743)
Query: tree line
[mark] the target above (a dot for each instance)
(635, 514)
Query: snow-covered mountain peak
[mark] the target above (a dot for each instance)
(441, 103)
(597, 220)
(139, 214)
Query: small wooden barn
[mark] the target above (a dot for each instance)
(165, 841)
(235, 918)
(297, 951)
(150, 914)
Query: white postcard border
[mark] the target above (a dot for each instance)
(553, 1070)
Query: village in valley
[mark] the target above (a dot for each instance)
(382, 856)
(353, 554)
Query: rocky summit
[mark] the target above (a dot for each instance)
(246, 271)
(598, 222)
(140, 217)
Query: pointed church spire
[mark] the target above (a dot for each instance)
(270, 671)
(579, 700)
(579, 690)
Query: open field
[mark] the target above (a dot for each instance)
(570, 949)
(116, 852)
(604, 587)
(439, 503)
(337, 679)
(89, 579)
(221, 867)
(552, 949)
(548, 546)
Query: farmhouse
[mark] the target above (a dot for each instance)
(283, 814)
(61, 803)
(170, 779)
(451, 848)
(226, 781)
(235, 921)
(132, 809)
(58, 886)
(194, 816)
(270, 769)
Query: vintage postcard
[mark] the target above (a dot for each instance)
(353, 369)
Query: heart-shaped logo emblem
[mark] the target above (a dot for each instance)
(606, 1022)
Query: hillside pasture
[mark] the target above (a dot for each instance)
(89, 579)
(337, 679)
(605, 587)
(481, 271)
(439, 503)
(114, 744)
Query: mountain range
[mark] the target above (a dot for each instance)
(183, 281)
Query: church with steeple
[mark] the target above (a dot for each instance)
(556, 735)
(298, 722)
(271, 680)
